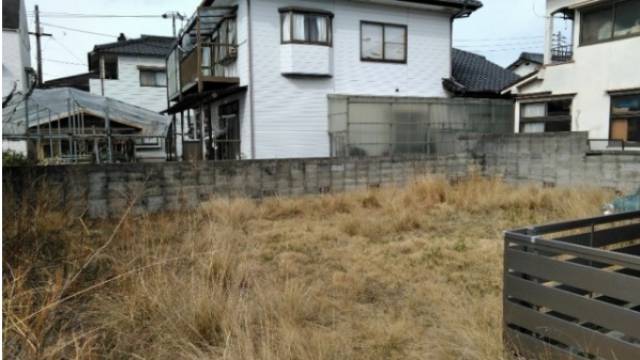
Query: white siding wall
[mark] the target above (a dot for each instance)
(595, 70)
(291, 114)
(127, 87)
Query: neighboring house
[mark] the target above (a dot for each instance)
(78, 81)
(67, 125)
(16, 59)
(259, 75)
(132, 70)
(589, 80)
(472, 75)
(527, 63)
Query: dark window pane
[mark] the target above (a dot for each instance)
(627, 18)
(626, 104)
(634, 129)
(556, 126)
(597, 25)
(559, 108)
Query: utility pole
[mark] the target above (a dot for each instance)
(38, 33)
(173, 15)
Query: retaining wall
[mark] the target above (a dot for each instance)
(107, 190)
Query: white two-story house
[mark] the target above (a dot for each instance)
(590, 80)
(253, 79)
(132, 71)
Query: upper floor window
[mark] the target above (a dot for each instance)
(616, 20)
(302, 26)
(156, 77)
(383, 42)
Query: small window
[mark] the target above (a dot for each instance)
(549, 116)
(154, 78)
(625, 118)
(305, 27)
(616, 20)
(111, 68)
(383, 42)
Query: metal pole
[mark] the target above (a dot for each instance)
(50, 137)
(38, 48)
(38, 142)
(59, 136)
(70, 127)
(107, 125)
(182, 132)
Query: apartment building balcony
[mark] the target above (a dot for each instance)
(204, 68)
(205, 54)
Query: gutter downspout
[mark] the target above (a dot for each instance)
(251, 84)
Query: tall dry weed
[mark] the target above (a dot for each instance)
(390, 273)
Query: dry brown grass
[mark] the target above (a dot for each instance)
(392, 273)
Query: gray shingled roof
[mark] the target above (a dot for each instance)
(146, 45)
(474, 74)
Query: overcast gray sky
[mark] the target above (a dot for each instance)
(499, 31)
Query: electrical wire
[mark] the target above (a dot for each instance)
(79, 30)
(79, 15)
(63, 46)
(64, 62)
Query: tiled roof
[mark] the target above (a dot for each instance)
(475, 75)
(146, 45)
(532, 57)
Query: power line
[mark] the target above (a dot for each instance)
(66, 49)
(79, 15)
(79, 30)
(64, 62)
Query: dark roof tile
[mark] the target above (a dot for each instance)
(476, 74)
(146, 45)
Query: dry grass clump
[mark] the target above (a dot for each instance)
(391, 273)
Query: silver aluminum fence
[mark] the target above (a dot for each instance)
(386, 126)
(572, 289)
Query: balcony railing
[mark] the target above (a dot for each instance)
(613, 145)
(206, 63)
(563, 53)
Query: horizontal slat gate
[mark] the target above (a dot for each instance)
(564, 299)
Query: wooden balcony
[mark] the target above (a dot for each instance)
(206, 68)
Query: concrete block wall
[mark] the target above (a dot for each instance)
(108, 190)
(556, 159)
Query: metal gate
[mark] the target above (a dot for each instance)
(572, 289)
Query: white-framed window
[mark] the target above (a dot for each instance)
(153, 77)
(303, 26)
(383, 42)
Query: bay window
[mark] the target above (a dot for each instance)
(383, 42)
(615, 20)
(545, 116)
(302, 26)
(625, 118)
